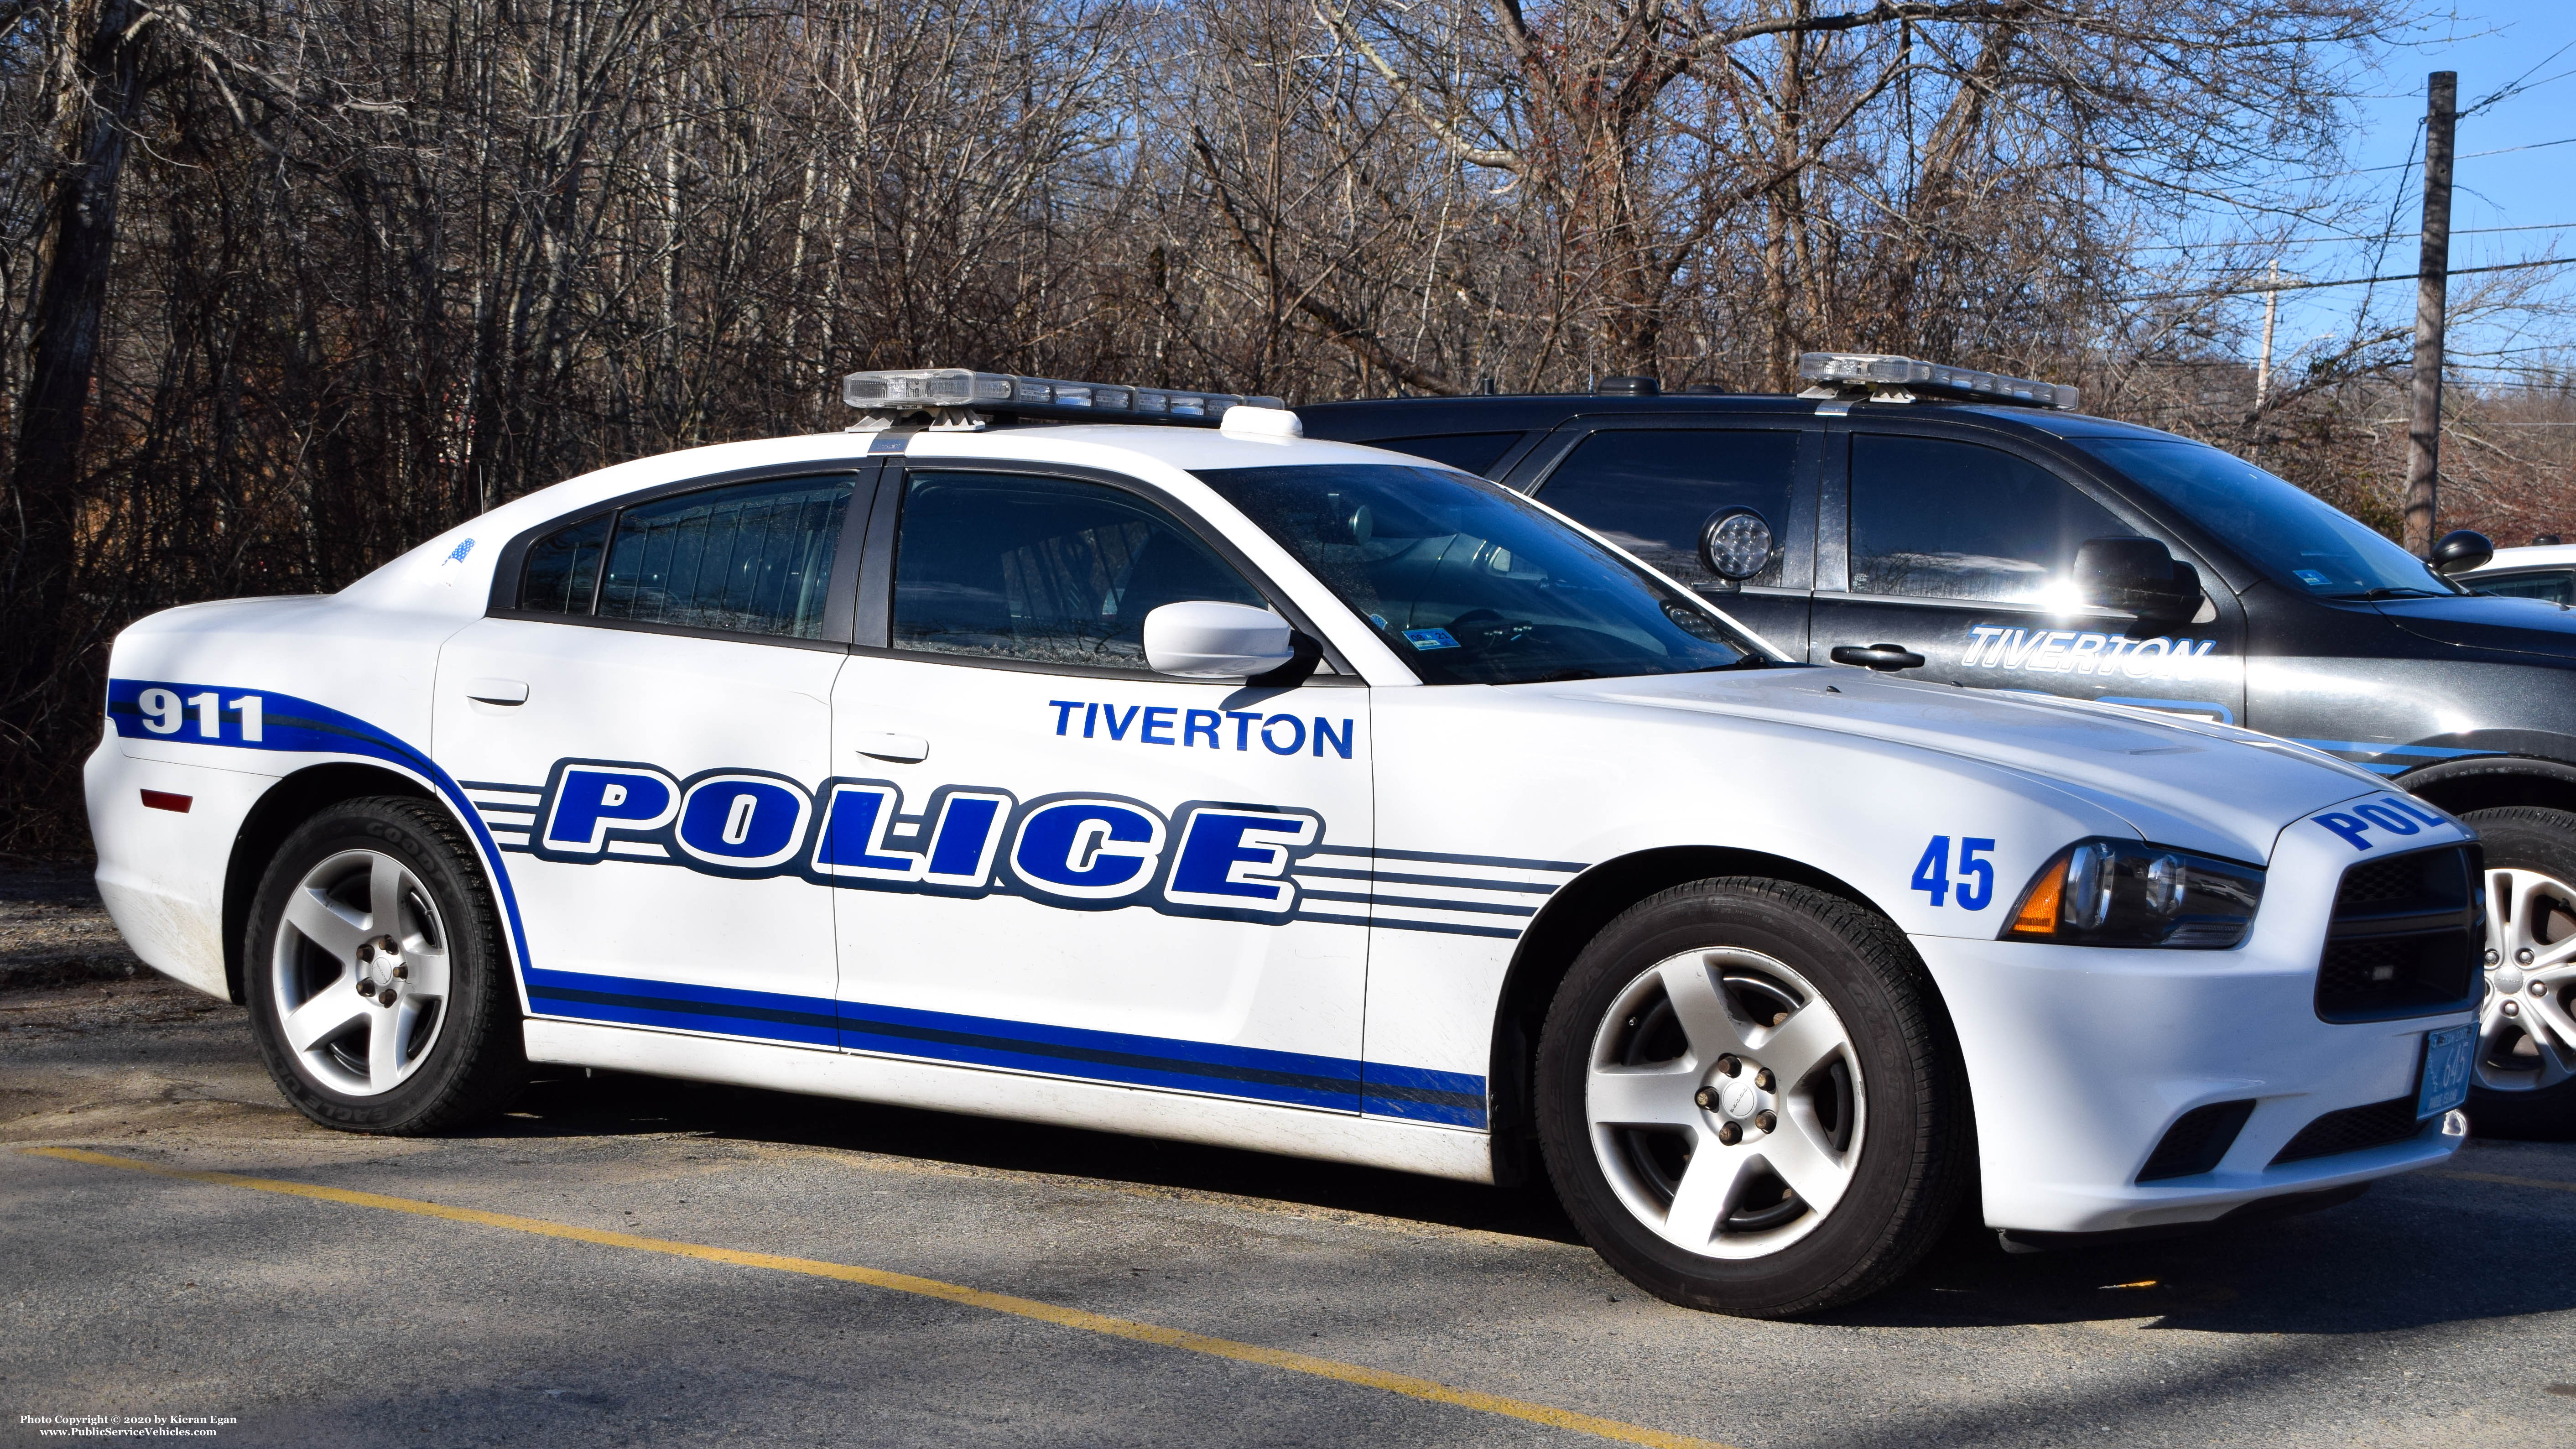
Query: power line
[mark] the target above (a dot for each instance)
(2352, 237)
(2410, 165)
(2257, 291)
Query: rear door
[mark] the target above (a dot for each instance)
(640, 721)
(1961, 550)
(1651, 484)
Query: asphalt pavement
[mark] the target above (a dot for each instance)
(626, 1261)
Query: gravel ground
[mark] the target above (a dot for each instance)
(54, 931)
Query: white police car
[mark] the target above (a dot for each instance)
(1218, 784)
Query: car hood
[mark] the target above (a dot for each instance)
(2185, 783)
(2485, 621)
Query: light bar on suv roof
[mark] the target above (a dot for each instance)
(1890, 378)
(956, 397)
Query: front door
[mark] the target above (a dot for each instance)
(1962, 553)
(1651, 486)
(1056, 861)
(641, 734)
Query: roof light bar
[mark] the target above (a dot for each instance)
(1890, 378)
(957, 397)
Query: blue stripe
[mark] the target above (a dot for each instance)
(291, 725)
(1209, 1068)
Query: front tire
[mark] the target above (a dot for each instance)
(378, 987)
(1749, 1099)
(2523, 1081)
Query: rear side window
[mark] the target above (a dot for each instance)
(1938, 519)
(562, 572)
(1043, 570)
(2552, 587)
(745, 558)
(1652, 491)
(1466, 452)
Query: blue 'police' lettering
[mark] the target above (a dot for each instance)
(742, 820)
(852, 842)
(588, 799)
(1237, 858)
(967, 836)
(1088, 850)
(2390, 813)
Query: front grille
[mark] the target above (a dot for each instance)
(2196, 1141)
(2353, 1129)
(2406, 937)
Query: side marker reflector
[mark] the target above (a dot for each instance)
(164, 800)
(2038, 914)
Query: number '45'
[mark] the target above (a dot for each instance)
(1976, 878)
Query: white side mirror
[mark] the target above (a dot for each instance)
(1203, 639)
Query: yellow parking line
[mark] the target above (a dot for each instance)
(2507, 1181)
(1348, 1373)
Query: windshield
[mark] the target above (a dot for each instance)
(2287, 532)
(1473, 584)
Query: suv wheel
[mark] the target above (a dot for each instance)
(2524, 1080)
(378, 987)
(1749, 1100)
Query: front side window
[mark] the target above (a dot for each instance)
(1471, 583)
(2293, 535)
(1937, 519)
(1043, 570)
(744, 558)
(1651, 491)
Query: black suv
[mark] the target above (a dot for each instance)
(2023, 547)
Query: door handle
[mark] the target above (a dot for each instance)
(1880, 657)
(902, 749)
(497, 691)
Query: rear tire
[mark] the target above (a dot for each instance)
(2523, 1083)
(1750, 1101)
(382, 893)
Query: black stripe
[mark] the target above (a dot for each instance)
(1507, 862)
(1395, 925)
(686, 1008)
(1461, 882)
(1415, 903)
(1428, 1096)
(1101, 1057)
(509, 789)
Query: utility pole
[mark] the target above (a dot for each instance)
(2263, 369)
(2432, 281)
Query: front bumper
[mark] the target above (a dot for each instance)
(2080, 1058)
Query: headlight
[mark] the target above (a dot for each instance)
(2123, 893)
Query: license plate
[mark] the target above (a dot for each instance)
(2445, 1083)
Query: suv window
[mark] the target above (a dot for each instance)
(2553, 587)
(749, 558)
(1934, 518)
(1651, 491)
(1467, 452)
(1046, 570)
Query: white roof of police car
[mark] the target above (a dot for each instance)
(2506, 560)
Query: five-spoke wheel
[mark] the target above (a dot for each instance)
(376, 981)
(2523, 1080)
(1749, 1100)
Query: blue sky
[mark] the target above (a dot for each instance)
(2527, 184)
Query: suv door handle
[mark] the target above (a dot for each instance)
(902, 749)
(1881, 657)
(497, 691)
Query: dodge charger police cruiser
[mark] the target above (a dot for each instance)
(1119, 758)
(1973, 529)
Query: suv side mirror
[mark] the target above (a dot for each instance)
(1204, 639)
(2137, 575)
(1735, 544)
(2460, 550)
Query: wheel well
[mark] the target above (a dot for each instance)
(1571, 918)
(289, 803)
(2461, 786)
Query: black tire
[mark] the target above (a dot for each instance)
(2525, 838)
(1911, 1153)
(460, 1056)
